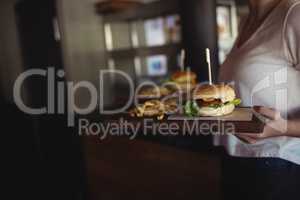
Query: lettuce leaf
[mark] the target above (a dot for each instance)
(191, 109)
(235, 102)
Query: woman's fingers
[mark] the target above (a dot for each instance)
(268, 112)
(246, 138)
(251, 135)
(278, 127)
(275, 126)
(254, 138)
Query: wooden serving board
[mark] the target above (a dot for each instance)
(239, 114)
(242, 120)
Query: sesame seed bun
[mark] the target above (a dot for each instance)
(184, 76)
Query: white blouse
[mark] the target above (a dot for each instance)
(265, 71)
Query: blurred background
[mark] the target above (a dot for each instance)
(141, 38)
(81, 37)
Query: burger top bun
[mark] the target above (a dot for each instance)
(210, 92)
(184, 76)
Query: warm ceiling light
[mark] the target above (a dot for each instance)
(110, 6)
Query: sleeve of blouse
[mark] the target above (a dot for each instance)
(292, 35)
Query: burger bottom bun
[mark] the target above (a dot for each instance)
(214, 112)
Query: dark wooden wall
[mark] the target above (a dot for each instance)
(199, 33)
(83, 45)
(45, 154)
(39, 48)
(10, 53)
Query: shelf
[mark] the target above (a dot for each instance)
(170, 49)
(146, 11)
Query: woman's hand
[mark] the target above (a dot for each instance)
(276, 126)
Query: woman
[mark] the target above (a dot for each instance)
(265, 67)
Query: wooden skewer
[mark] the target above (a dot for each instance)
(182, 59)
(208, 60)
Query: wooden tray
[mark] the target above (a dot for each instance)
(243, 120)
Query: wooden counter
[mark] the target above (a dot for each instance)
(118, 168)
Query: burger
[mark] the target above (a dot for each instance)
(183, 80)
(212, 100)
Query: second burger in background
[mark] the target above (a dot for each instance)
(183, 81)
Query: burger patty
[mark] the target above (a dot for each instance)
(212, 102)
